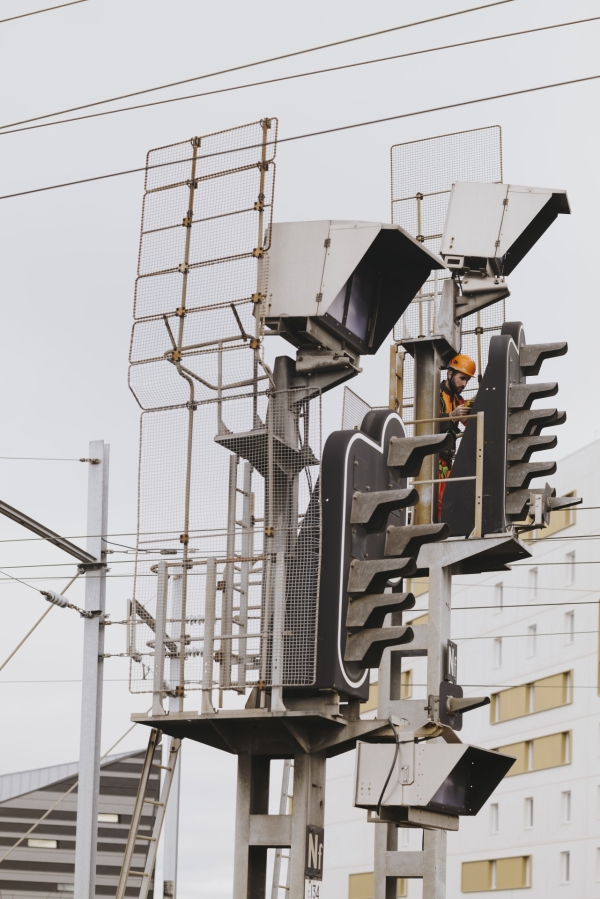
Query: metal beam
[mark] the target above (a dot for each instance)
(42, 531)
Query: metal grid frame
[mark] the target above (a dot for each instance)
(227, 566)
(422, 174)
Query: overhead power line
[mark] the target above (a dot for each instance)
(237, 87)
(125, 680)
(260, 62)
(36, 12)
(321, 133)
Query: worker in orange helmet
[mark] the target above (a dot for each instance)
(452, 405)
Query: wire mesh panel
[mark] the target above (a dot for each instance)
(255, 512)
(423, 173)
(206, 227)
(229, 489)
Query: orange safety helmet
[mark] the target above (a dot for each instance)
(464, 364)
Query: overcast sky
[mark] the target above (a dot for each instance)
(69, 262)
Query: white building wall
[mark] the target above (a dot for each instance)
(475, 625)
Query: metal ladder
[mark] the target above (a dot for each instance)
(133, 836)
(288, 764)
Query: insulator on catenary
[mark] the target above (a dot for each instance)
(57, 598)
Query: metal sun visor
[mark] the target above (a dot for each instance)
(451, 778)
(343, 283)
(498, 223)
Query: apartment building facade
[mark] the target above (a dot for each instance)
(528, 638)
(43, 864)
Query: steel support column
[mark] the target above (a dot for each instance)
(430, 863)
(426, 406)
(91, 692)
(256, 831)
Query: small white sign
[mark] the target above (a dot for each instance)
(312, 889)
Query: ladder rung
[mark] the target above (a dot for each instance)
(141, 836)
(164, 767)
(153, 802)
(138, 874)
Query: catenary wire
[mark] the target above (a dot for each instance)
(249, 65)
(125, 680)
(7, 129)
(31, 630)
(310, 134)
(211, 530)
(36, 12)
(41, 458)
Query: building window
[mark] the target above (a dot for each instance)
(539, 754)
(373, 699)
(570, 560)
(539, 696)
(494, 817)
(360, 886)
(499, 597)
(42, 844)
(406, 684)
(565, 867)
(497, 652)
(532, 640)
(496, 874)
(570, 627)
(106, 818)
(529, 812)
(533, 583)
(565, 806)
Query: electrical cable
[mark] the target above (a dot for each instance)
(38, 622)
(310, 134)
(249, 65)
(393, 765)
(125, 680)
(36, 12)
(42, 458)
(8, 129)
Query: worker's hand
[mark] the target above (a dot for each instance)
(460, 413)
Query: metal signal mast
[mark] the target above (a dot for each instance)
(272, 567)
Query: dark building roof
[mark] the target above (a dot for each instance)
(44, 864)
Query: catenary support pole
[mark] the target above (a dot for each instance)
(91, 693)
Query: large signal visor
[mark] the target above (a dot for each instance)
(343, 283)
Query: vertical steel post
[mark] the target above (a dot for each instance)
(227, 605)
(210, 598)
(478, 529)
(278, 626)
(91, 692)
(430, 863)
(308, 808)
(245, 568)
(427, 391)
(283, 806)
(175, 704)
(160, 634)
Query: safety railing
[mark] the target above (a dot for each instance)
(477, 477)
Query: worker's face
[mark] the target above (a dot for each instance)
(458, 380)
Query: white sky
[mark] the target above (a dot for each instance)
(69, 261)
